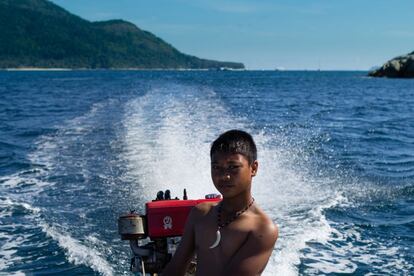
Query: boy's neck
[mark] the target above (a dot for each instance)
(237, 203)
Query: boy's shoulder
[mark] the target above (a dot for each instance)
(263, 225)
(203, 208)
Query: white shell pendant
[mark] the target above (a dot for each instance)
(218, 238)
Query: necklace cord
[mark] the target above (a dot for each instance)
(233, 218)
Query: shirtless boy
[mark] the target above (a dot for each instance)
(233, 237)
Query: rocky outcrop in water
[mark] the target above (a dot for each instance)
(399, 67)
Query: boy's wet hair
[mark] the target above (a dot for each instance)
(235, 141)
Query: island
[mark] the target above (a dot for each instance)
(399, 67)
(40, 34)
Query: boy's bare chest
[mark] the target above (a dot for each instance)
(232, 238)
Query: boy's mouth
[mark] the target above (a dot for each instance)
(226, 186)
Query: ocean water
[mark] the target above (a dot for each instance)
(79, 148)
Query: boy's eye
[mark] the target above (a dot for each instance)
(230, 167)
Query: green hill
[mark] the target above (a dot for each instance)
(38, 33)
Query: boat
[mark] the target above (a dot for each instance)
(154, 236)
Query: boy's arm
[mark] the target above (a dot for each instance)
(185, 251)
(253, 255)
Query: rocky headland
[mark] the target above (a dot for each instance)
(399, 67)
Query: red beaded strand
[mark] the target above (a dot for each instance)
(236, 215)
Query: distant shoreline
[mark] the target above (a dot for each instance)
(98, 69)
(115, 69)
(35, 69)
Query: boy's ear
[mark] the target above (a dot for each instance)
(254, 167)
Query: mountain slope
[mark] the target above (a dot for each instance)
(38, 33)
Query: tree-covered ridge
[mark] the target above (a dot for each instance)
(38, 33)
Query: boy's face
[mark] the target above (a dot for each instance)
(231, 173)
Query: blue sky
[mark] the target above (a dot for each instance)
(264, 34)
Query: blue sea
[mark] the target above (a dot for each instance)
(80, 148)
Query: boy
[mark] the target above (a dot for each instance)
(233, 237)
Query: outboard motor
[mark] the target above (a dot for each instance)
(154, 236)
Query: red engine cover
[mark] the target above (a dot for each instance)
(166, 218)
